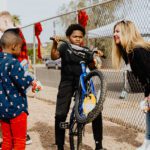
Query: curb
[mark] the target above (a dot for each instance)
(47, 94)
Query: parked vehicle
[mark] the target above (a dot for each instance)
(53, 63)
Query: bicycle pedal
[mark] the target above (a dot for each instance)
(64, 125)
(75, 133)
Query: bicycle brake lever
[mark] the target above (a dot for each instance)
(51, 38)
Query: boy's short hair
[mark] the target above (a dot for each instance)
(10, 37)
(74, 27)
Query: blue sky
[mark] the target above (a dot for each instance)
(32, 10)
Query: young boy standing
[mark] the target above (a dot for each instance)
(6, 22)
(70, 73)
(13, 85)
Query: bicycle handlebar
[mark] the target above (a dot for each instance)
(82, 52)
(51, 38)
(87, 49)
(72, 46)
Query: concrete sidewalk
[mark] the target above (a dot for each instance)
(47, 94)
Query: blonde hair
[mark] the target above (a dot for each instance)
(130, 38)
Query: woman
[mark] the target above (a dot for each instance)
(129, 45)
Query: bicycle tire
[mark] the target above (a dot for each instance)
(75, 136)
(100, 100)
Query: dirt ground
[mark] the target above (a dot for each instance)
(41, 130)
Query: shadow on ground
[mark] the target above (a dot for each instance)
(46, 133)
(120, 134)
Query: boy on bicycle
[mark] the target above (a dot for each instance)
(70, 72)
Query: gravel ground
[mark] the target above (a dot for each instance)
(41, 130)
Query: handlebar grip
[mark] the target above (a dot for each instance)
(51, 38)
(104, 56)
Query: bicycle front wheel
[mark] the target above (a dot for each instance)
(96, 89)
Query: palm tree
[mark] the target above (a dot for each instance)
(16, 20)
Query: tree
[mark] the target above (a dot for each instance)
(101, 15)
(71, 18)
(16, 20)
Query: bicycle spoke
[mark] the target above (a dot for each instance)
(97, 87)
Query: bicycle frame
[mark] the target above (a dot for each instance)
(84, 90)
(74, 124)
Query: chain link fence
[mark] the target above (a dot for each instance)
(124, 92)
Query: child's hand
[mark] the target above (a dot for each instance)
(99, 53)
(36, 86)
(57, 39)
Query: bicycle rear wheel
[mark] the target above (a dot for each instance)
(95, 85)
(75, 136)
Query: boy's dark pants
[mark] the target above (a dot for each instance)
(65, 93)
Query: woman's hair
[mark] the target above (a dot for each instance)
(10, 37)
(130, 38)
(74, 27)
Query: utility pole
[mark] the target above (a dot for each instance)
(77, 2)
(54, 27)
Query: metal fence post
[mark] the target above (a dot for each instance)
(34, 53)
(77, 20)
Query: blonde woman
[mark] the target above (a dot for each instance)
(129, 45)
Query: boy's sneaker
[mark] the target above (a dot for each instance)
(60, 147)
(28, 140)
(98, 146)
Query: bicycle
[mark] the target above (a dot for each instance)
(88, 98)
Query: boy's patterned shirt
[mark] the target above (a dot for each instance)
(13, 85)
